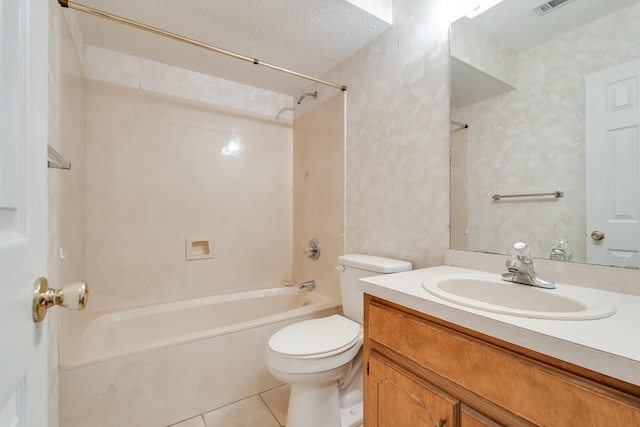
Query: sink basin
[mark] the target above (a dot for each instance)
(498, 296)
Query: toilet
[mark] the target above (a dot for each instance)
(322, 358)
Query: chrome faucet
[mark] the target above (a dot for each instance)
(307, 285)
(521, 270)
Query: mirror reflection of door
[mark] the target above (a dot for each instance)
(612, 159)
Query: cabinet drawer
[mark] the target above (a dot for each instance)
(527, 388)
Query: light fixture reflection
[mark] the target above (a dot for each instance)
(231, 149)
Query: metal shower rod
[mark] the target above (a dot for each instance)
(134, 24)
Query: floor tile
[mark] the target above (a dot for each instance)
(277, 400)
(191, 422)
(249, 412)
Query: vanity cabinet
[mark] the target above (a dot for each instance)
(422, 371)
(404, 400)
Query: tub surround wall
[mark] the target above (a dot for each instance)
(160, 169)
(71, 221)
(51, 322)
(318, 188)
(542, 125)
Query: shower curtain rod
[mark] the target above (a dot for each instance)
(134, 24)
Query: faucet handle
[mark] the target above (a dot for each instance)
(521, 252)
(313, 250)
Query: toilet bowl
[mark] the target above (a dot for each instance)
(322, 358)
(314, 356)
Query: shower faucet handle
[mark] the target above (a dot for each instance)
(313, 250)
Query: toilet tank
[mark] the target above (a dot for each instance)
(354, 266)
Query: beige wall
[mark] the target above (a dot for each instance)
(71, 221)
(479, 50)
(157, 174)
(397, 137)
(318, 189)
(66, 187)
(52, 322)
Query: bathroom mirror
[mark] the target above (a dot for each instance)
(519, 79)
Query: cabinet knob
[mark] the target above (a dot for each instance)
(442, 422)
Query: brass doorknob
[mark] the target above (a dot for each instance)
(597, 235)
(72, 296)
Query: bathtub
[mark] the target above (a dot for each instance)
(160, 364)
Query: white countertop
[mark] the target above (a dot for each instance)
(610, 346)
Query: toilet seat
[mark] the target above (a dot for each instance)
(315, 338)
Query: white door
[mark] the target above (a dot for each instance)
(613, 164)
(23, 209)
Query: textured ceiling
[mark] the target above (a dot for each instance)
(306, 36)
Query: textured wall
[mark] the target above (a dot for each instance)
(533, 139)
(397, 138)
(478, 49)
(157, 174)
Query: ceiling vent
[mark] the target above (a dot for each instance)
(550, 6)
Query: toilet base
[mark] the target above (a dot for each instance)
(311, 405)
(352, 415)
(314, 406)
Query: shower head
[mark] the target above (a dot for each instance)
(314, 94)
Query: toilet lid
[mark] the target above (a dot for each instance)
(331, 335)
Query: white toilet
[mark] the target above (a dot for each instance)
(322, 358)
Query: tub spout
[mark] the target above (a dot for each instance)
(307, 285)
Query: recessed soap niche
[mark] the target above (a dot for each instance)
(201, 248)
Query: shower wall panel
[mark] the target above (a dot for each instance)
(318, 188)
(161, 169)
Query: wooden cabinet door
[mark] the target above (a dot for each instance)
(396, 399)
(471, 418)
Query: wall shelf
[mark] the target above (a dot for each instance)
(56, 160)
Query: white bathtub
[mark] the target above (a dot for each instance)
(160, 364)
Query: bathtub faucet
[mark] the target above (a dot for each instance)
(307, 285)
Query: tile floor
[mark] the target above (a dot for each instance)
(268, 409)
